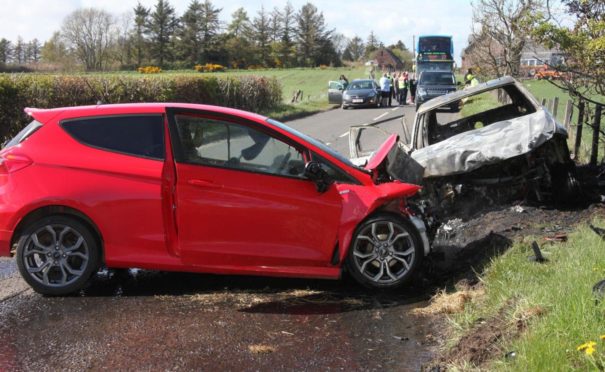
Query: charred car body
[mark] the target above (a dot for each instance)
(512, 150)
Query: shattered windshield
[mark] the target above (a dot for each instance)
(437, 78)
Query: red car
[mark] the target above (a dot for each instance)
(183, 187)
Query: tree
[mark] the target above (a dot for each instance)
(261, 34)
(191, 33)
(161, 28)
(238, 43)
(54, 51)
(372, 45)
(88, 33)
(286, 47)
(33, 50)
(6, 51)
(19, 51)
(583, 45)
(311, 35)
(240, 23)
(141, 20)
(354, 50)
(275, 25)
(502, 27)
(210, 27)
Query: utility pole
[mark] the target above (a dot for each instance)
(414, 54)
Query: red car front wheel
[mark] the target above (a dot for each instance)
(385, 252)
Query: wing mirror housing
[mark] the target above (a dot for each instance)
(317, 174)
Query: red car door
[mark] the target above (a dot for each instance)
(241, 200)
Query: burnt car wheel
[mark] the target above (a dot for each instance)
(385, 252)
(57, 255)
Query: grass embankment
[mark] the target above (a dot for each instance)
(549, 309)
(313, 82)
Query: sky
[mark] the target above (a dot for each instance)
(391, 20)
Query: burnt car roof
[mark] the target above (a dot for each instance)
(458, 95)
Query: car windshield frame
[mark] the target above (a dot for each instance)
(317, 143)
(423, 80)
(353, 83)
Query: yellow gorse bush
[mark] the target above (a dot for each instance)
(209, 67)
(149, 70)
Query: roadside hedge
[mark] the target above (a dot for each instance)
(17, 91)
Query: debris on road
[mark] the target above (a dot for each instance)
(261, 349)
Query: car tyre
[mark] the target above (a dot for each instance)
(385, 252)
(57, 255)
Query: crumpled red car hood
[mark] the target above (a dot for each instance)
(381, 154)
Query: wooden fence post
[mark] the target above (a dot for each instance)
(567, 120)
(596, 131)
(555, 106)
(544, 102)
(579, 129)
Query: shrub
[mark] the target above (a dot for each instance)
(252, 93)
(209, 67)
(149, 70)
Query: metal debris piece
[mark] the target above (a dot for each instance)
(537, 257)
(561, 237)
(517, 209)
(599, 290)
(599, 231)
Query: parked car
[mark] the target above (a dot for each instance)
(361, 93)
(505, 148)
(432, 84)
(196, 188)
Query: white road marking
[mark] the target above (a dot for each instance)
(383, 115)
(395, 109)
(328, 143)
(344, 134)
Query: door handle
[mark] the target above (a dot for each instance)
(205, 184)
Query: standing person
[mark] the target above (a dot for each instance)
(403, 85)
(391, 90)
(412, 90)
(344, 81)
(469, 79)
(396, 78)
(385, 89)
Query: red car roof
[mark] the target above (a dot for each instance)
(44, 115)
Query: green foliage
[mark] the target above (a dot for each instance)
(583, 44)
(253, 93)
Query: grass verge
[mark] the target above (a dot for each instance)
(542, 312)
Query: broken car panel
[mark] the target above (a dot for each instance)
(504, 138)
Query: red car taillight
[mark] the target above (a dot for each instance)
(10, 163)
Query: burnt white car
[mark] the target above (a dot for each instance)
(513, 149)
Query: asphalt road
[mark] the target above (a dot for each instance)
(332, 127)
(133, 320)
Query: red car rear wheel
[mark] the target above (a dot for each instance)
(57, 255)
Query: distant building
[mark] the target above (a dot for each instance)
(384, 59)
(533, 56)
(537, 55)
